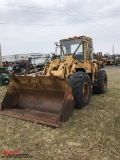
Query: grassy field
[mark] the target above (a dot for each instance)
(92, 133)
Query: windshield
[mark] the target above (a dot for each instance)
(71, 46)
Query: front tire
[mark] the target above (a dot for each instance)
(101, 83)
(81, 88)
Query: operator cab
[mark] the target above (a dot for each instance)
(80, 47)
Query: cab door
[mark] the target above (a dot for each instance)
(88, 50)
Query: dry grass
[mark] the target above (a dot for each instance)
(91, 134)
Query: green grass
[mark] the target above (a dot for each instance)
(92, 133)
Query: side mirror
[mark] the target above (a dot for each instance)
(90, 46)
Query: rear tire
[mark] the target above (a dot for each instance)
(81, 88)
(101, 83)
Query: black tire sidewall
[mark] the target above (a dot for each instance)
(77, 81)
(100, 89)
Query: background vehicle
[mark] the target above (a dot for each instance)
(98, 58)
(110, 60)
(65, 83)
(117, 60)
(3, 70)
(4, 79)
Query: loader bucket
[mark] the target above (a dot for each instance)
(42, 99)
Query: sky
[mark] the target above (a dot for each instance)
(32, 26)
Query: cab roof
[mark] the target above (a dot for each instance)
(77, 37)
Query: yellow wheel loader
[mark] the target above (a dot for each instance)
(110, 61)
(99, 60)
(65, 83)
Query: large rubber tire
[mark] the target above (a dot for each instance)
(81, 88)
(101, 83)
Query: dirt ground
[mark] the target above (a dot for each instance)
(92, 133)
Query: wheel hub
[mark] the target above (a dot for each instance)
(86, 90)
